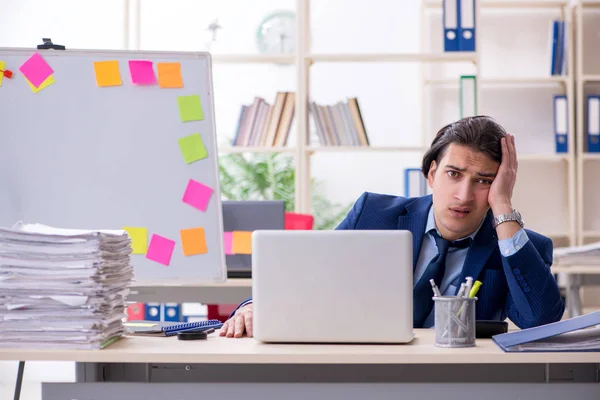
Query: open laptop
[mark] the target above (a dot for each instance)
(341, 286)
(249, 215)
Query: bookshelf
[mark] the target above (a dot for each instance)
(587, 17)
(519, 96)
(517, 84)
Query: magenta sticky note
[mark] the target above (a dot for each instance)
(160, 249)
(142, 72)
(36, 70)
(228, 241)
(197, 195)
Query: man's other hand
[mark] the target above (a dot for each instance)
(239, 323)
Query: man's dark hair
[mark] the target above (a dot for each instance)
(481, 133)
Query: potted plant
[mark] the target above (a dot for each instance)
(271, 176)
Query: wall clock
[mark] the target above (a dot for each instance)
(276, 33)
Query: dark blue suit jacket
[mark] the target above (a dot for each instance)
(520, 287)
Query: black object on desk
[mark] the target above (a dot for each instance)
(195, 334)
(485, 329)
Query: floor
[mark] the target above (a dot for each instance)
(35, 373)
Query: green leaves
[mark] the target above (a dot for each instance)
(271, 176)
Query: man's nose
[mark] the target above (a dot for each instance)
(464, 192)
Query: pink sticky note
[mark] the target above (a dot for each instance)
(142, 72)
(36, 70)
(197, 195)
(160, 249)
(228, 241)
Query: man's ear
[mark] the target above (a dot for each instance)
(431, 174)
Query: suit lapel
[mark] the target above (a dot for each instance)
(482, 247)
(415, 221)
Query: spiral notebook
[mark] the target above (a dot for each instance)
(155, 328)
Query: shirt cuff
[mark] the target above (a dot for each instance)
(510, 246)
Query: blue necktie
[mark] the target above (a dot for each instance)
(423, 293)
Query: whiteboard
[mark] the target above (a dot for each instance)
(77, 155)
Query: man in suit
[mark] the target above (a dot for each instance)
(466, 227)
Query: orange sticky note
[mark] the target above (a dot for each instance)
(193, 241)
(107, 73)
(242, 242)
(169, 75)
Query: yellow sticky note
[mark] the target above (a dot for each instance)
(2, 68)
(107, 73)
(190, 108)
(193, 241)
(242, 242)
(49, 81)
(139, 239)
(169, 75)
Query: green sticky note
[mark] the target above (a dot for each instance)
(190, 108)
(192, 148)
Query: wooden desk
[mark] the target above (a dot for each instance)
(576, 276)
(148, 368)
(232, 291)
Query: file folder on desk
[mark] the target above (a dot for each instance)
(567, 335)
(593, 124)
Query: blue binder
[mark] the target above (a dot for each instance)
(415, 184)
(152, 312)
(561, 123)
(450, 20)
(466, 18)
(593, 124)
(554, 42)
(172, 312)
(548, 337)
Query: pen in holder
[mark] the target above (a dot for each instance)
(454, 321)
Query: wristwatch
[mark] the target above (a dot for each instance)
(512, 216)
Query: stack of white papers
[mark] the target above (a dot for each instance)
(63, 288)
(588, 254)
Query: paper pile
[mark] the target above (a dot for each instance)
(588, 254)
(62, 288)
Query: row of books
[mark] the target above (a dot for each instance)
(340, 124)
(264, 124)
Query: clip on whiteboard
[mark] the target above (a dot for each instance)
(49, 45)
(7, 73)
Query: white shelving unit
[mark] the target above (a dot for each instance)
(587, 16)
(557, 219)
(303, 61)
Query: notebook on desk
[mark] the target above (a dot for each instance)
(574, 334)
(156, 328)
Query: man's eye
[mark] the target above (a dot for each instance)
(452, 174)
(485, 181)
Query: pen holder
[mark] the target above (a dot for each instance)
(454, 321)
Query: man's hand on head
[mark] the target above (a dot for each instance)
(239, 323)
(501, 190)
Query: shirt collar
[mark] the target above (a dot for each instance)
(431, 225)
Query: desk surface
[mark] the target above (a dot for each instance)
(229, 283)
(220, 350)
